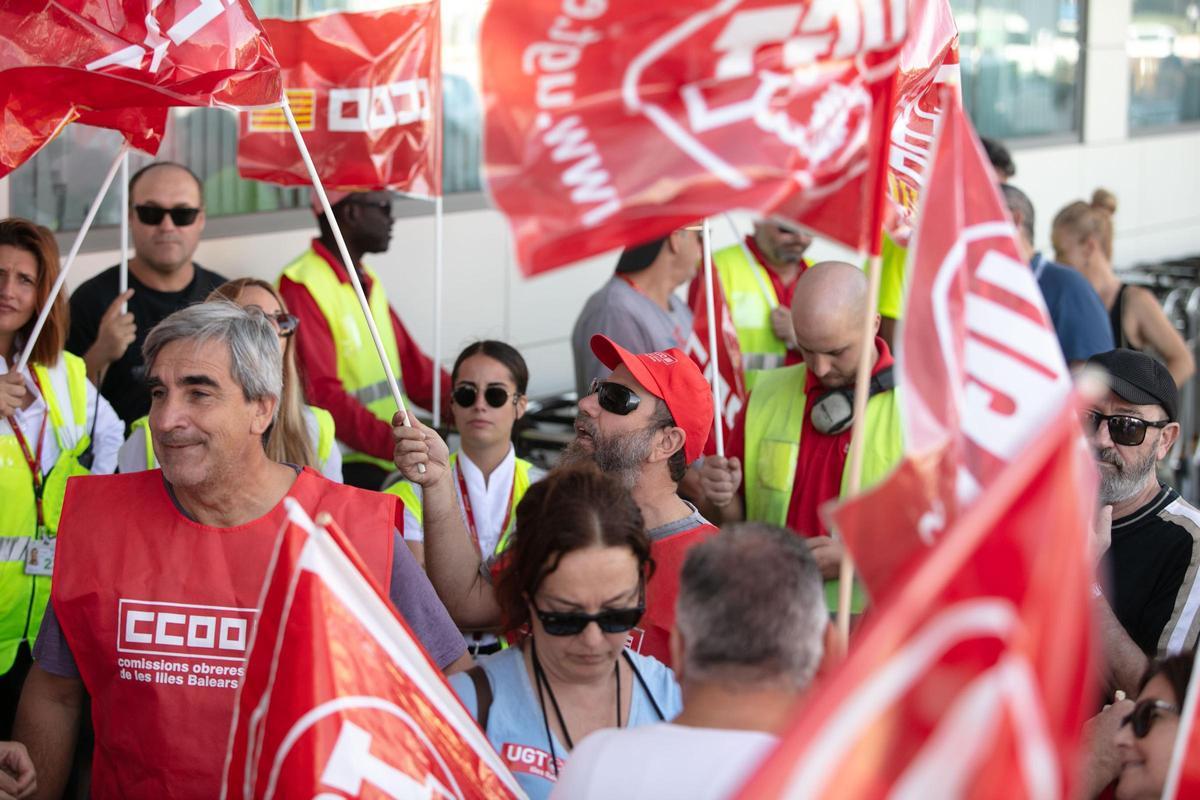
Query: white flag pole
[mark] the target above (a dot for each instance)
(714, 373)
(438, 267)
(66, 266)
(349, 262)
(123, 272)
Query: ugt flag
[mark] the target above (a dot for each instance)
(973, 679)
(121, 63)
(728, 353)
(339, 699)
(610, 122)
(365, 89)
(978, 359)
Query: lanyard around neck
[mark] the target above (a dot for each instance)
(34, 457)
(469, 512)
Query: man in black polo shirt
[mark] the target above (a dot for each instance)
(166, 218)
(1152, 602)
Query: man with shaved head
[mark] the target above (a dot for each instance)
(794, 434)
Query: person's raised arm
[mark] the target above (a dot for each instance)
(452, 562)
(48, 724)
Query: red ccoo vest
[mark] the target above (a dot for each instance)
(653, 635)
(158, 612)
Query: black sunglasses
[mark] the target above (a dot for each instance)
(153, 215)
(615, 398)
(285, 323)
(1122, 428)
(613, 620)
(496, 396)
(1144, 713)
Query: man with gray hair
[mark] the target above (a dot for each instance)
(1079, 318)
(752, 630)
(158, 573)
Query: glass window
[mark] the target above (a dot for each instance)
(1164, 63)
(56, 186)
(1020, 66)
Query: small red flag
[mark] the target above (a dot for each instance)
(365, 89)
(612, 122)
(339, 698)
(973, 680)
(121, 63)
(729, 353)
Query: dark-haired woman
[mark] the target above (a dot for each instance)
(489, 379)
(1146, 738)
(575, 577)
(53, 425)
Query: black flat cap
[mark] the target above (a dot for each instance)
(1139, 379)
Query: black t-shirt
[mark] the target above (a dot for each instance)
(1152, 561)
(124, 384)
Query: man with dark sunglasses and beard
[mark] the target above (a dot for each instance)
(645, 423)
(1151, 606)
(166, 219)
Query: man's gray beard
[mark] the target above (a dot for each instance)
(1126, 481)
(619, 456)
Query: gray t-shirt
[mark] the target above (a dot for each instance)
(411, 593)
(690, 522)
(632, 320)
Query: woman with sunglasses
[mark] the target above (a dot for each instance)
(574, 577)
(53, 425)
(1146, 738)
(489, 379)
(302, 434)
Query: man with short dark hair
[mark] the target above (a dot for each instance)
(752, 629)
(166, 220)
(1152, 605)
(758, 276)
(158, 574)
(337, 357)
(637, 307)
(1079, 318)
(646, 422)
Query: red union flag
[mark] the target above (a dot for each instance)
(729, 353)
(366, 90)
(973, 681)
(928, 62)
(614, 121)
(121, 63)
(978, 359)
(368, 714)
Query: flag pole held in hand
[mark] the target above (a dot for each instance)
(123, 271)
(714, 374)
(349, 262)
(66, 267)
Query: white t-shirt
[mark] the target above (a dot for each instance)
(662, 761)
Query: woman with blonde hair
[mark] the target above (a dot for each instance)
(302, 434)
(1083, 239)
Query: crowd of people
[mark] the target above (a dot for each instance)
(645, 601)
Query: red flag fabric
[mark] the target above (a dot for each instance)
(974, 681)
(366, 91)
(339, 699)
(978, 359)
(928, 62)
(729, 353)
(121, 63)
(612, 122)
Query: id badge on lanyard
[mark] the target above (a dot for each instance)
(39, 555)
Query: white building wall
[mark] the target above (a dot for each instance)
(1156, 179)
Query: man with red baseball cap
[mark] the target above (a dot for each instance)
(341, 369)
(645, 422)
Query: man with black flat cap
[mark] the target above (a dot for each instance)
(1151, 605)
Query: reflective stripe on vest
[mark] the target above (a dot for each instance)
(774, 423)
(358, 366)
(23, 597)
(750, 311)
(408, 495)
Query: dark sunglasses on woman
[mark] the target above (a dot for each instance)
(1122, 428)
(153, 215)
(615, 398)
(495, 396)
(1144, 713)
(285, 323)
(611, 620)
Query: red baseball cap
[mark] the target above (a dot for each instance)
(673, 378)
